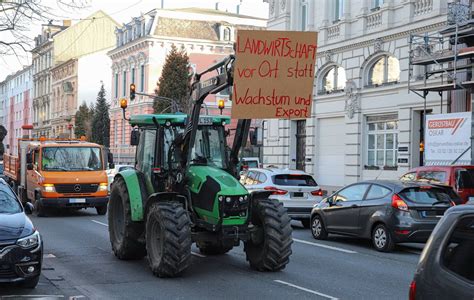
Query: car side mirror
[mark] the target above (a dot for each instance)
(134, 137)
(330, 201)
(29, 166)
(29, 158)
(110, 157)
(28, 208)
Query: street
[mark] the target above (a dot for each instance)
(78, 261)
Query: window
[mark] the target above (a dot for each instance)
(294, 180)
(132, 74)
(338, 10)
(457, 253)
(116, 85)
(385, 70)
(438, 176)
(304, 15)
(354, 192)
(142, 78)
(334, 80)
(377, 3)
(429, 195)
(261, 178)
(226, 34)
(382, 146)
(408, 176)
(465, 178)
(124, 82)
(377, 191)
(146, 152)
(251, 178)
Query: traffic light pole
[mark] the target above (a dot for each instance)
(172, 101)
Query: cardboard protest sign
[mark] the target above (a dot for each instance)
(274, 74)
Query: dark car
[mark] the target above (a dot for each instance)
(387, 212)
(21, 249)
(446, 266)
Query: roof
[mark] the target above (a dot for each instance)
(177, 118)
(208, 11)
(435, 167)
(397, 184)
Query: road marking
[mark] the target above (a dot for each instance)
(49, 256)
(197, 254)
(325, 246)
(100, 223)
(305, 289)
(33, 296)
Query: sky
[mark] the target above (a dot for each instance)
(122, 11)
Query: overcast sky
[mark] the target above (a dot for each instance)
(122, 11)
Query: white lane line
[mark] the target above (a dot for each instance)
(50, 255)
(100, 223)
(305, 289)
(197, 254)
(324, 246)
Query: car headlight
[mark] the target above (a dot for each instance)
(48, 187)
(30, 241)
(103, 186)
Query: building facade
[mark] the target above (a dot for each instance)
(141, 49)
(17, 107)
(365, 122)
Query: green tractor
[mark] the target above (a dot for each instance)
(184, 189)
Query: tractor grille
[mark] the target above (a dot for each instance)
(76, 188)
(7, 272)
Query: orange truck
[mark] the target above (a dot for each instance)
(60, 174)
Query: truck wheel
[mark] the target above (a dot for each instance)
(168, 239)
(269, 245)
(123, 232)
(101, 210)
(39, 209)
(213, 248)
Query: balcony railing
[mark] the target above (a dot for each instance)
(374, 20)
(423, 7)
(334, 31)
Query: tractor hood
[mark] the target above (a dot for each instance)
(220, 179)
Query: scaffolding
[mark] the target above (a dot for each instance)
(446, 58)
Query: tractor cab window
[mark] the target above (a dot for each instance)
(146, 151)
(170, 134)
(209, 147)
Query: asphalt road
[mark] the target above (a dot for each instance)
(79, 264)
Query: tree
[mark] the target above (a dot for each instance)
(17, 16)
(83, 121)
(101, 120)
(173, 82)
(3, 134)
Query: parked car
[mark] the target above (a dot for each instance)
(387, 212)
(21, 248)
(446, 266)
(249, 162)
(460, 178)
(112, 172)
(297, 190)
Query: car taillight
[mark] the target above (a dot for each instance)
(398, 203)
(275, 190)
(317, 192)
(412, 294)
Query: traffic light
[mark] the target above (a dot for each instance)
(132, 91)
(123, 103)
(221, 105)
(422, 146)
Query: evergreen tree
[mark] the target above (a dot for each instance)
(101, 120)
(174, 82)
(82, 121)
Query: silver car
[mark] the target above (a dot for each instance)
(297, 190)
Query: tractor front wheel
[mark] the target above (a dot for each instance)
(123, 232)
(269, 245)
(168, 239)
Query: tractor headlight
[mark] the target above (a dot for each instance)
(48, 188)
(246, 197)
(227, 199)
(221, 198)
(103, 187)
(30, 241)
(241, 199)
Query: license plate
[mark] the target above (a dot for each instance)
(298, 194)
(77, 200)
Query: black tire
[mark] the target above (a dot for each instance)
(318, 230)
(101, 210)
(39, 209)
(382, 239)
(168, 239)
(306, 223)
(213, 248)
(124, 233)
(30, 283)
(269, 247)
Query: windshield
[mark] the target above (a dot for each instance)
(294, 180)
(209, 147)
(8, 202)
(71, 159)
(429, 195)
(465, 178)
(251, 163)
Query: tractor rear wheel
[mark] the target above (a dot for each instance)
(213, 248)
(168, 239)
(269, 245)
(123, 232)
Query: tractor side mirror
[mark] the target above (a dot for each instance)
(110, 158)
(29, 158)
(134, 137)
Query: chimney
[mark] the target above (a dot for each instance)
(66, 23)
